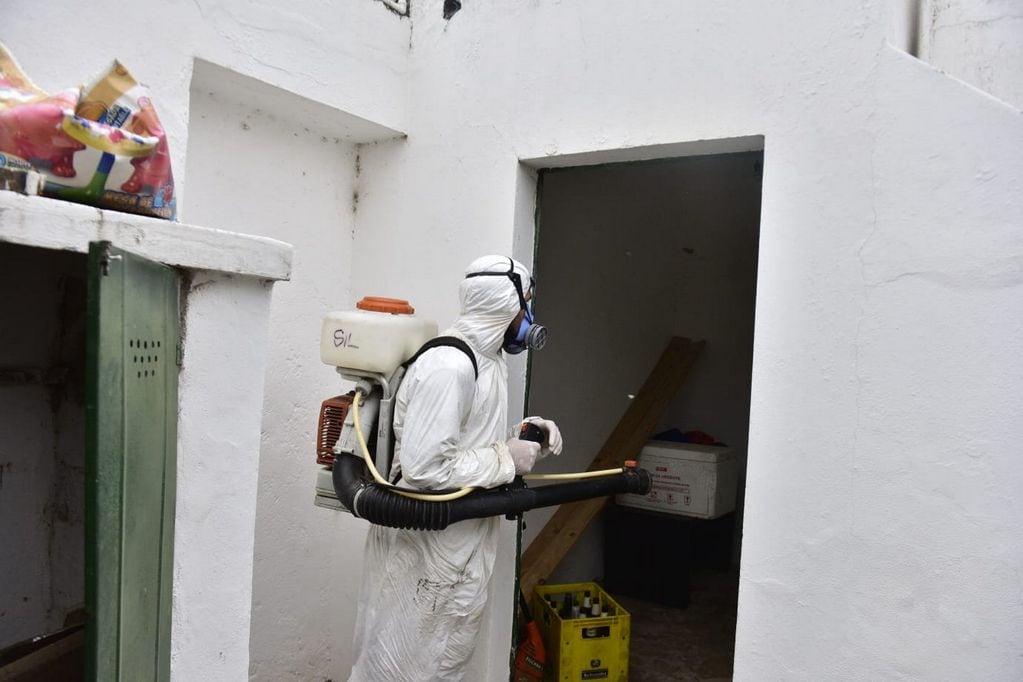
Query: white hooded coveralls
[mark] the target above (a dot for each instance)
(424, 592)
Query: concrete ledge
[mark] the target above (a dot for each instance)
(225, 84)
(52, 224)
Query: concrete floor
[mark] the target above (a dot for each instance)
(696, 644)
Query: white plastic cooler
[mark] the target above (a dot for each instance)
(691, 480)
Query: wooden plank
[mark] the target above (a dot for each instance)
(632, 432)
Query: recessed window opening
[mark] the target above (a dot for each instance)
(629, 255)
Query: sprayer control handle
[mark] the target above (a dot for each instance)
(530, 431)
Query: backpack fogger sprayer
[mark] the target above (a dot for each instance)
(373, 346)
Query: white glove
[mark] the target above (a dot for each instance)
(552, 435)
(524, 454)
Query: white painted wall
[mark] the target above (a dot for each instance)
(977, 41)
(334, 71)
(348, 56)
(417, 199)
(296, 184)
(880, 510)
(219, 394)
(42, 452)
(881, 517)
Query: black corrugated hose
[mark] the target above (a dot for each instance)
(377, 504)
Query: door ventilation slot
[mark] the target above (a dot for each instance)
(146, 354)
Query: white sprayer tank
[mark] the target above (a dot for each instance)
(377, 337)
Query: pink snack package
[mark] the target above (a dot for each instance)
(102, 145)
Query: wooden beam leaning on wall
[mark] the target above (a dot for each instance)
(630, 435)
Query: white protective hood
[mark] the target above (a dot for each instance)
(489, 304)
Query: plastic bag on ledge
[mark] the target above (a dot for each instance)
(101, 145)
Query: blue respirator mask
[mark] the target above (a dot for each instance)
(528, 335)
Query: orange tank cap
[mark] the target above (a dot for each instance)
(630, 464)
(379, 304)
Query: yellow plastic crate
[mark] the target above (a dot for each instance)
(582, 648)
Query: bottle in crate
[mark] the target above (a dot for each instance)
(588, 647)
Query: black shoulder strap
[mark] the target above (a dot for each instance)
(452, 341)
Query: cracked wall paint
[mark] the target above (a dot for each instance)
(977, 41)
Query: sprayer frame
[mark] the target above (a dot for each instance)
(383, 454)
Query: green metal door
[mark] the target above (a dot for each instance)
(131, 438)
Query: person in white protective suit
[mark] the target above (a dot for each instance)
(424, 592)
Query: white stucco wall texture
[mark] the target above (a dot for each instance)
(881, 536)
(884, 435)
(226, 337)
(977, 41)
(307, 559)
(348, 56)
(338, 63)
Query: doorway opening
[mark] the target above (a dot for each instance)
(42, 463)
(627, 256)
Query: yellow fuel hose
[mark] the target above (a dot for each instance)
(445, 497)
(575, 475)
(383, 481)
